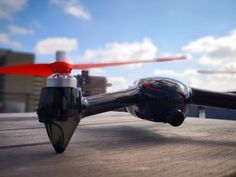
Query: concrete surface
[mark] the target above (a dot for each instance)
(116, 144)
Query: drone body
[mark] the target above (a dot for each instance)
(62, 106)
(158, 99)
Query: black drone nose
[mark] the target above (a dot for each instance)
(60, 133)
(59, 110)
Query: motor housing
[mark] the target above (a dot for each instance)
(60, 99)
(59, 104)
(162, 100)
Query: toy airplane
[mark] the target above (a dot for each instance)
(156, 99)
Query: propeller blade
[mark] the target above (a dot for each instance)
(28, 69)
(46, 69)
(98, 65)
(215, 72)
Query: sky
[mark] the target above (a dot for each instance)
(119, 30)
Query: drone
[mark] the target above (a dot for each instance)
(62, 105)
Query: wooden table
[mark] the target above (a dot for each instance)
(117, 144)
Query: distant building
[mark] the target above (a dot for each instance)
(92, 85)
(211, 113)
(18, 93)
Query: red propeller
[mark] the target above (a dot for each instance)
(46, 69)
(215, 72)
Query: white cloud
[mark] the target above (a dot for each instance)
(218, 52)
(97, 71)
(189, 76)
(77, 12)
(118, 83)
(51, 45)
(17, 30)
(10, 7)
(6, 40)
(201, 45)
(73, 7)
(214, 53)
(144, 49)
(221, 82)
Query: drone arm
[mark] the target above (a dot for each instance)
(213, 99)
(106, 102)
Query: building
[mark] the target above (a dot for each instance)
(18, 93)
(211, 112)
(92, 85)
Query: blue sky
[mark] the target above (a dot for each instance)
(95, 31)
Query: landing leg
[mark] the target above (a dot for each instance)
(60, 133)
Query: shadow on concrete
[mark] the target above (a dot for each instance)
(122, 136)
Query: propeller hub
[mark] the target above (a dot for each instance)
(61, 67)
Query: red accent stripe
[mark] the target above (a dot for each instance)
(149, 86)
